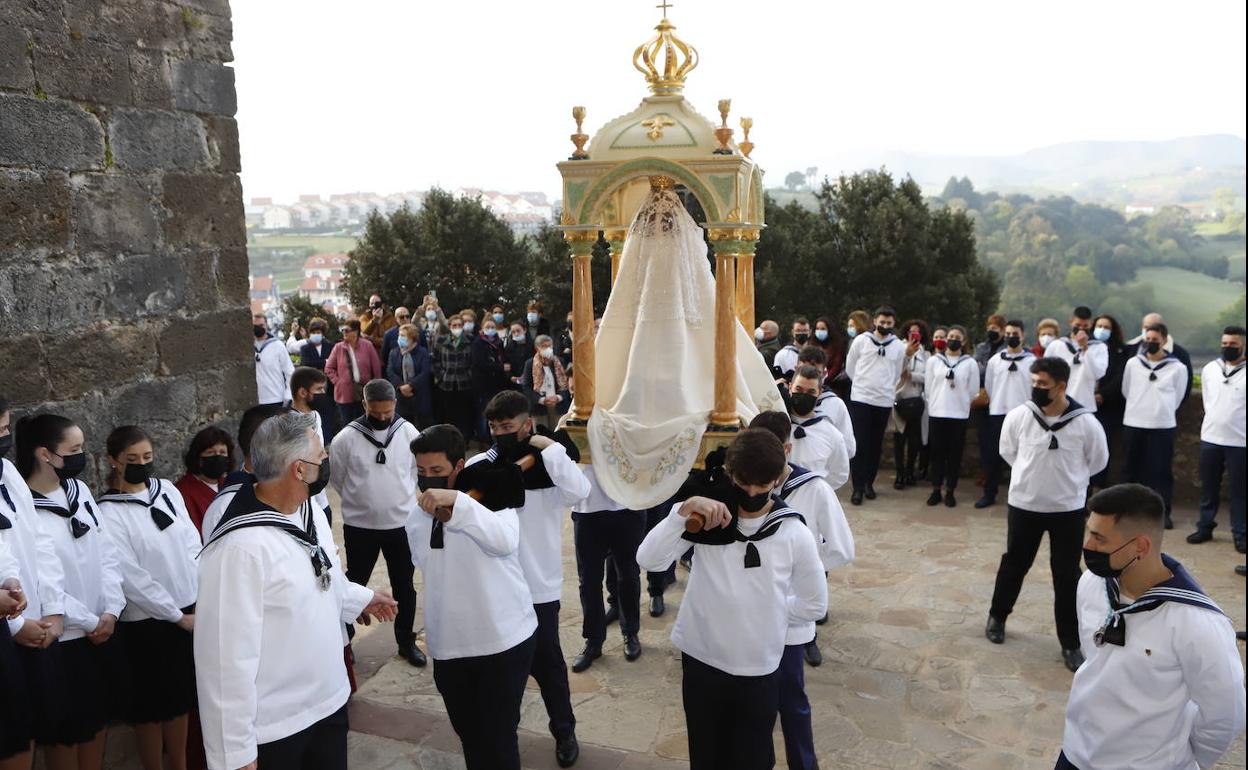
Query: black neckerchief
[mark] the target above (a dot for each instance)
(800, 426)
(72, 490)
(361, 425)
(245, 510)
(1005, 356)
(1073, 410)
(798, 477)
(5, 523)
(161, 518)
(770, 526)
(1226, 376)
(1154, 368)
(1181, 588)
(537, 477)
(951, 366)
(880, 346)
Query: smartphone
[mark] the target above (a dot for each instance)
(915, 336)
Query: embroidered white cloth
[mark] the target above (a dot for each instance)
(655, 359)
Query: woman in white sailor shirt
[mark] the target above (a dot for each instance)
(156, 545)
(50, 456)
(951, 382)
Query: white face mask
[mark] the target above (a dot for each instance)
(469, 326)
(517, 337)
(1101, 333)
(759, 334)
(456, 331)
(431, 315)
(1046, 340)
(548, 352)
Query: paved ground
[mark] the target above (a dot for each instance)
(908, 679)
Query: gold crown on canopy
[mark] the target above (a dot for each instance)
(678, 60)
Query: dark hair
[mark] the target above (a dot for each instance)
(506, 405)
(251, 421)
(441, 438)
(1115, 330)
(812, 354)
(317, 323)
(124, 437)
(1016, 323)
(755, 457)
(1160, 328)
(1083, 313)
(305, 377)
(34, 431)
(776, 422)
(884, 310)
(1135, 503)
(1234, 331)
(352, 324)
(4, 402)
(1056, 368)
(807, 372)
(957, 328)
(801, 319)
(924, 334)
(205, 439)
(996, 319)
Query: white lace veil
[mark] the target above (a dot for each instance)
(655, 355)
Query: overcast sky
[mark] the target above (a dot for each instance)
(390, 95)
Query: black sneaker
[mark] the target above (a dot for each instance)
(1200, 536)
(934, 497)
(812, 654)
(995, 630)
(1073, 659)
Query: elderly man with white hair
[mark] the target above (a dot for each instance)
(268, 644)
(1170, 346)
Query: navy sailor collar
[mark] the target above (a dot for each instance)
(155, 490)
(1181, 587)
(798, 477)
(361, 426)
(770, 526)
(246, 510)
(72, 489)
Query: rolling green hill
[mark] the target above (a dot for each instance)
(1186, 299)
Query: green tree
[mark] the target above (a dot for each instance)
(296, 307)
(794, 180)
(550, 272)
(1082, 287)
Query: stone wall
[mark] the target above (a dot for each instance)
(123, 263)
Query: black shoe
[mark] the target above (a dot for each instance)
(995, 630)
(1241, 570)
(656, 607)
(1169, 522)
(899, 483)
(587, 657)
(632, 648)
(934, 497)
(1073, 659)
(950, 500)
(985, 501)
(567, 750)
(822, 620)
(1240, 636)
(613, 614)
(1239, 544)
(856, 497)
(812, 654)
(870, 492)
(413, 655)
(1200, 536)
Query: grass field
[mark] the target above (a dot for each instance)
(282, 256)
(1187, 299)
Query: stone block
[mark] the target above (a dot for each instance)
(114, 213)
(223, 144)
(151, 402)
(151, 80)
(205, 87)
(34, 210)
(141, 23)
(98, 359)
(232, 271)
(204, 209)
(21, 360)
(200, 270)
(208, 35)
(207, 341)
(32, 14)
(82, 69)
(48, 133)
(148, 140)
(239, 385)
(15, 69)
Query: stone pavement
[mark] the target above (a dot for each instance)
(908, 680)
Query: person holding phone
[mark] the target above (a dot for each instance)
(1088, 357)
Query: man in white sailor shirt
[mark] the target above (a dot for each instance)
(268, 645)
(874, 365)
(817, 445)
(1007, 380)
(1153, 384)
(787, 358)
(1088, 358)
(1163, 685)
(273, 365)
(1222, 434)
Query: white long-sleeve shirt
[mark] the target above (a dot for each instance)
(916, 365)
(874, 366)
(541, 521)
(1152, 403)
(375, 495)
(476, 599)
(596, 500)
(39, 569)
(1045, 480)
(1007, 389)
(1222, 392)
(821, 449)
(159, 575)
(946, 397)
(268, 640)
(1086, 367)
(833, 407)
(733, 618)
(1170, 698)
(92, 574)
(273, 370)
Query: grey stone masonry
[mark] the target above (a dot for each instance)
(123, 269)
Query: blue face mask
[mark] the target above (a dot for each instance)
(403, 341)
(532, 318)
(851, 331)
(821, 335)
(1101, 334)
(316, 339)
(490, 332)
(498, 318)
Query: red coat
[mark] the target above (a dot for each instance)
(338, 368)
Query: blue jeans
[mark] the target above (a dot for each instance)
(1214, 458)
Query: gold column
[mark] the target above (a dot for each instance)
(745, 280)
(727, 242)
(581, 240)
(615, 240)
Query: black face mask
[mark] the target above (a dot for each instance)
(1098, 561)
(376, 423)
(803, 403)
(1013, 341)
(1041, 397)
(258, 330)
(74, 465)
(801, 337)
(954, 345)
(6, 443)
(214, 466)
(1229, 353)
(1152, 347)
(751, 503)
(510, 444)
(320, 401)
(993, 336)
(322, 478)
(137, 473)
(425, 483)
(884, 330)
